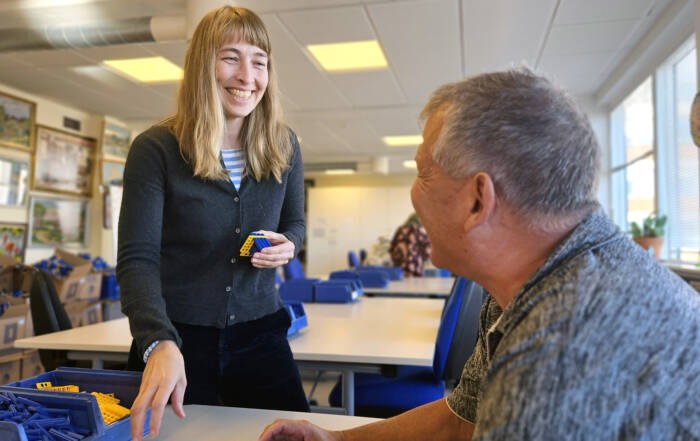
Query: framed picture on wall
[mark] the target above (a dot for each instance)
(13, 240)
(112, 172)
(63, 162)
(14, 181)
(115, 142)
(57, 221)
(16, 122)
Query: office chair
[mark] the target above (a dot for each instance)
(353, 260)
(363, 256)
(48, 315)
(413, 386)
(293, 270)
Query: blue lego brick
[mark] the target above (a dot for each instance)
(298, 290)
(260, 243)
(298, 316)
(82, 408)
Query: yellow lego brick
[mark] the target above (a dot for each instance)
(105, 398)
(68, 388)
(248, 244)
(44, 385)
(113, 412)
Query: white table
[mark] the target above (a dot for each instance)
(357, 337)
(213, 423)
(434, 287)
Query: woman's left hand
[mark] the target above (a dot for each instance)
(279, 253)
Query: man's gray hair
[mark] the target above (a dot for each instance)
(528, 135)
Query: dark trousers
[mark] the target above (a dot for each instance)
(244, 365)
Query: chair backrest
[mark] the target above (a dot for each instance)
(465, 333)
(363, 256)
(293, 270)
(353, 260)
(48, 314)
(448, 323)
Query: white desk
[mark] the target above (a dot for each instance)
(435, 287)
(358, 337)
(212, 423)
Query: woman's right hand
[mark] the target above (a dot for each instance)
(163, 378)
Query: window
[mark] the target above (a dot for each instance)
(654, 161)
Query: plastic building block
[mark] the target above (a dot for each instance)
(113, 412)
(253, 244)
(44, 385)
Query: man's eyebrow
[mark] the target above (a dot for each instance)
(233, 49)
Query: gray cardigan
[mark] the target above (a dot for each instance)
(180, 236)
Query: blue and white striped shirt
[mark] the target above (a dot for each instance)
(234, 162)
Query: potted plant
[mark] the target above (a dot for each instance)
(651, 233)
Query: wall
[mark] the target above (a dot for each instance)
(50, 113)
(600, 121)
(350, 213)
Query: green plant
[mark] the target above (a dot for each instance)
(652, 226)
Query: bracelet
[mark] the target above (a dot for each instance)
(148, 351)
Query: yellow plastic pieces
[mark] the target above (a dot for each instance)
(108, 403)
(247, 245)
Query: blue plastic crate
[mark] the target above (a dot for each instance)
(337, 291)
(298, 316)
(110, 287)
(394, 272)
(373, 278)
(84, 411)
(298, 290)
(344, 274)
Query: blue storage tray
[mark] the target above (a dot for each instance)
(84, 412)
(110, 287)
(298, 316)
(298, 290)
(373, 278)
(344, 274)
(394, 272)
(337, 291)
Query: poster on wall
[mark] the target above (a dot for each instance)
(62, 162)
(14, 181)
(55, 221)
(112, 173)
(16, 122)
(13, 240)
(115, 142)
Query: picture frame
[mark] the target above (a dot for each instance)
(56, 221)
(14, 181)
(62, 162)
(17, 122)
(13, 240)
(111, 171)
(115, 142)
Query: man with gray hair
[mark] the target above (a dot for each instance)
(583, 336)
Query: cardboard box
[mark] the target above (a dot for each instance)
(31, 364)
(12, 321)
(10, 366)
(83, 312)
(82, 283)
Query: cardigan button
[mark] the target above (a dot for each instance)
(228, 289)
(233, 260)
(238, 230)
(236, 199)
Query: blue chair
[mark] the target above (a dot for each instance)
(363, 256)
(413, 386)
(293, 270)
(353, 260)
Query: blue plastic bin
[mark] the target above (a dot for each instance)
(373, 278)
(110, 287)
(298, 290)
(84, 411)
(337, 291)
(297, 314)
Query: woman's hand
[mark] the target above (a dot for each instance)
(288, 430)
(279, 253)
(163, 378)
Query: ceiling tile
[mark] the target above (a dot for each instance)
(101, 53)
(365, 89)
(579, 74)
(51, 58)
(358, 132)
(422, 42)
(587, 38)
(500, 34)
(330, 25)
(577, 11)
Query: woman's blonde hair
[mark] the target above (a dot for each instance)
(199, 122)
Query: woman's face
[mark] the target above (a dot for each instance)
(241, 76)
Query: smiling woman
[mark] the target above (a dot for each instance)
(207, 323)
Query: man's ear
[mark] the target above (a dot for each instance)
(482, 195)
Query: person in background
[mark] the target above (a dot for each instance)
(208, 325)
(583, 335)
(410, 247)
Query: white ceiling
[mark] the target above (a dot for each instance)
(343, 116)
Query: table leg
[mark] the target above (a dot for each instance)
(349, 391)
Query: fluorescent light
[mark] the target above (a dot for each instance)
(410, 164)
(402, 140)
(146, 70)
(350, 56)
(340, 171)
